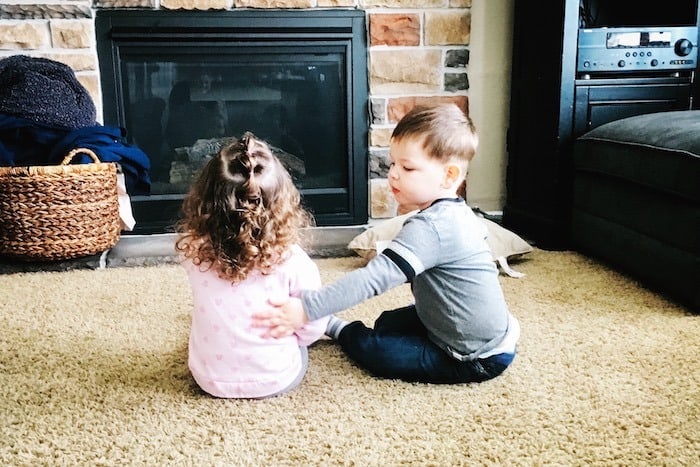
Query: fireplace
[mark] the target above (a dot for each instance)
(182, 83)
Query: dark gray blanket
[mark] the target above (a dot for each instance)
(44, 91)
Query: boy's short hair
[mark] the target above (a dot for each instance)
(445, 130)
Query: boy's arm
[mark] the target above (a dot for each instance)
(414, 249)
(380, 275)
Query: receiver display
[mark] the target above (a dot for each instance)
(621, 40)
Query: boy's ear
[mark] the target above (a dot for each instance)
(453, 174)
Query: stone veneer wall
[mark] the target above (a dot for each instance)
(418, 53)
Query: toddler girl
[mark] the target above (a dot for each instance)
(239, 237)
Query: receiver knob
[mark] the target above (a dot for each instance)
(683, 47)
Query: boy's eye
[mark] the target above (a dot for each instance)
(403, 167)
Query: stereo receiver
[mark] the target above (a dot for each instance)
(605, 50)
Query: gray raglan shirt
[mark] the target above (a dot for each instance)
(442, 252)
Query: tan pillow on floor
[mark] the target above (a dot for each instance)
(365, 244)
(503, 243)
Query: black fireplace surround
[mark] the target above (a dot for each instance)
(182, 83)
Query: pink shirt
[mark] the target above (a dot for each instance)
(228, 357)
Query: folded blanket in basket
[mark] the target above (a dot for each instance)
(23, 143)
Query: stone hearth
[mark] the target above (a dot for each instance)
(151, 250)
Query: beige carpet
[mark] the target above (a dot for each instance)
(93, 372)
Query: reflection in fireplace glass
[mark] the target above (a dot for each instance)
(181, 112)
(184, 83)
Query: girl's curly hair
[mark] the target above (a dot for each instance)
(242, 213)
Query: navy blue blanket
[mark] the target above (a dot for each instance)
(24, 142)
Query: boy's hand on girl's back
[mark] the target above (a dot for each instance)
(282, 318)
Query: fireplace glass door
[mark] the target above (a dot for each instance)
(182, 91)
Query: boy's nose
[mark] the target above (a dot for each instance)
(392, 172)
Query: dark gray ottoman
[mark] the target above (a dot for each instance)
(637, 200)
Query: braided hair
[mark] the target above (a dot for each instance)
(242, 213)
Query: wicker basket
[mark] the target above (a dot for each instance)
(59, 212)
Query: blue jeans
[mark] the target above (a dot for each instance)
(398, 348)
